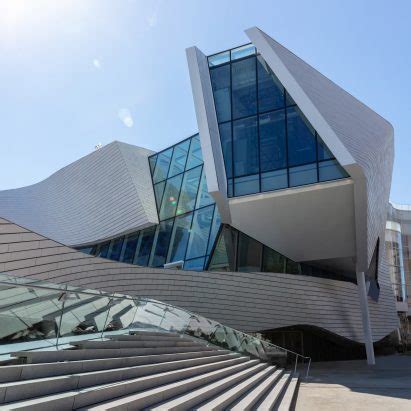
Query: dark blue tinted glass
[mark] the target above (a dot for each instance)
(130, 248)
(230, 189)
(330, 170)
(144, 246)
(270, 90)
(161, 241)
(249, 254)
(214, 230)
(289, 100)
(115, 249)
(273, 261)
(301, 139)
(196, 264)
(244, 84)
(189, 190)
(226, 145)
(162, 165)
(302, 175)
(103, 250)
(245, 144)
(273, 143)
(247, 185)
(323, 152)
(220, 81)
(274, 180)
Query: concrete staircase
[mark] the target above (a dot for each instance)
(144, 370)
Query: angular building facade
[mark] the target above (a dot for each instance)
(271, 219)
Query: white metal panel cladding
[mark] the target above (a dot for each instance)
(246, 301)
(98, 196)
(349, 128)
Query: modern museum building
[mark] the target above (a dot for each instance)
(273, 219)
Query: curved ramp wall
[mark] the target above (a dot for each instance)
(102, 195)
(245, 301)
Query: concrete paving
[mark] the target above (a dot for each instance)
(353, 385)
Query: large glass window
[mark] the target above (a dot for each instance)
(276, 149)
(270, 90)
(162, 165)
(273, 143)
(115, 249)
(161, 241)
(245, 144)
(301, 139)
(200, 230)
(249, 254)
(189, 190)
(130, 248)
(179, 158)
(179, 238)
(220, 80)
(195, 158)
(170, 197)
(145, 243)
(244, 95)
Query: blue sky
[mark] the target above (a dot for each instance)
(77, 73)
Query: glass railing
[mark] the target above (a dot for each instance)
(41, 315)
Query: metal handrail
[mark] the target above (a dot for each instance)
(165, 308)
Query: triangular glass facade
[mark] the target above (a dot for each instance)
(266, 141)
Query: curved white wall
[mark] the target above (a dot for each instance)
(99, 196)
(246, 301)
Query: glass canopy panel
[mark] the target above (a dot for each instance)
(162, 165)
(244, 88)
(189, 190)
(220, 80)
(179, 158)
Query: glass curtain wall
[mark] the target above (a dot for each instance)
(236, 251)
(189, 219)
(266, 141)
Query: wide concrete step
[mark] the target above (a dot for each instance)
(192, 399)
(154, 333)
(111, 344)
(78, 398)
(248, 401)
(32, 371)
(286, 401)
(87, 354)
(162, 393)
(140, 337)
(221, 401)
(274, 393)
(20, 390)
